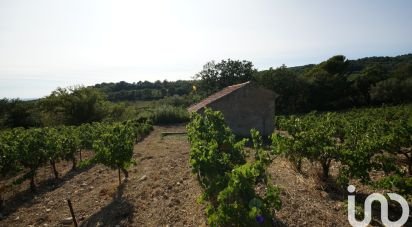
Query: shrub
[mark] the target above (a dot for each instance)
(167, 114)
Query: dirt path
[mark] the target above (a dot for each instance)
(168, 196)
(161, 191)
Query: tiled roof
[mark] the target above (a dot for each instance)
(225, 91)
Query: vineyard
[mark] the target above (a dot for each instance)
(297, 177)
(358, 144)
(24, 151)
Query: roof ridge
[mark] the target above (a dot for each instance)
(215, 96)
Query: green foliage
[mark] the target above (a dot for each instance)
(52, 142)
(262, 156)
(216, 76)
(392, 90)
(180, 101)
(396, 182)
(239, 204)
(70, 143)
(292, 89)
(334, 84)
(114, 148)
(74, 106)
(335, 65)
(166, 114)
(214, 151)
(52, 147)
(9, 156)
(229, 182)
(398, 138)
(360, 140)
(338, 83)
(141, 129)
(114, 145)
(86, 136)
(145, 90)
(311, 137)
(18, 113)
(25, 150)
(30, 146)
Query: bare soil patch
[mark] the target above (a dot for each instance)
(161, 191)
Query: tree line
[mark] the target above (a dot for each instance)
(144, 90)
(334, 84)
(80, 105)
(64, 106)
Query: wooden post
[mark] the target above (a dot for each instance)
(72, 212)
(120, 179)
(1, 201)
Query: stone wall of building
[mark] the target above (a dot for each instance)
(248, 107)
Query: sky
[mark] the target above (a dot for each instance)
(45, 44)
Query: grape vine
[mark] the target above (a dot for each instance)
(361, 141)
(228, 180)
(26, 150)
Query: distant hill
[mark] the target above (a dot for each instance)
(339, 83)
(399, 67)
(389, 63)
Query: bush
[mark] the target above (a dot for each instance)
(166, 114)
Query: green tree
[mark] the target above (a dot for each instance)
(335, 65)
(392, 90)
(18, 113)
(367, 78)
(216, 76)
(75, 105)
(329, 88)
(291, 89)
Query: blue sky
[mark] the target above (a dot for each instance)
(47, 43)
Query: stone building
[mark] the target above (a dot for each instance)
(244, 106)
